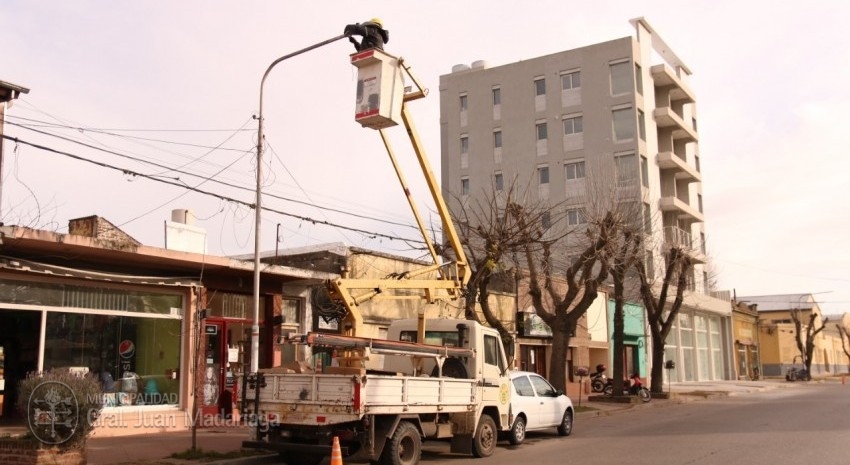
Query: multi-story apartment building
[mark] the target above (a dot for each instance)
(621, 110)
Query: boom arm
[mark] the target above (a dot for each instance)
(451, 277)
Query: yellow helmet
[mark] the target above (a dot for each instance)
(378, 22)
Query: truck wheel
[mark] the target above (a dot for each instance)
(404, 448)
(486, 437)
(452, 368)
(517, 431)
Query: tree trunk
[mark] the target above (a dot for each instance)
(558, 362)
(656, 384)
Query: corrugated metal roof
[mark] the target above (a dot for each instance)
(767, 303)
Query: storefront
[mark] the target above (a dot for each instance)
(127, 336)
(696, 347)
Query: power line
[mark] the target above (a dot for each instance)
(227, 184)
(213, 194)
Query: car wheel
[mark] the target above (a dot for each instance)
(566, 426)
(486, 437)
(518, 431)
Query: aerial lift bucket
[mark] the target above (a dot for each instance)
(380, 89)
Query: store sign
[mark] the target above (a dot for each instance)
(211, 329)
(533, 325)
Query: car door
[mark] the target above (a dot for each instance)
(525, 401)
(549, 409)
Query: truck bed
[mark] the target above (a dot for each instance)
(313, 399)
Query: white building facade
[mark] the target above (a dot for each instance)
(621, 110)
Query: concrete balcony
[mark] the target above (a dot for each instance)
(678, 237)
(682, 209)
(681, 169)
(665, 117)
(665, 78)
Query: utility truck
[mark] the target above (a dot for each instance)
(441, 378)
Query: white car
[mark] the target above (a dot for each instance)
(536, 405)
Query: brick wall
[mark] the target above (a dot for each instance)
(98, 228)
(23, 452)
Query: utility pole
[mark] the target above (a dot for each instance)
(8, 92)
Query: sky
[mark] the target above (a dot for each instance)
(132, 102)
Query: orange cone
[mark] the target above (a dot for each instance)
(336, 453)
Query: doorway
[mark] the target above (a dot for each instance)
(226, 354)
(20, 332)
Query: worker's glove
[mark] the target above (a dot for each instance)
(353, 29)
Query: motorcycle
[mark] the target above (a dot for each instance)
(797, 374)
(598, 380)
(642, 391)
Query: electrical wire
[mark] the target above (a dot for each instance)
(227, 184)
(213, 194)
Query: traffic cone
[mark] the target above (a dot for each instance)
(336, 453)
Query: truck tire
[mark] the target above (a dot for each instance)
(404, 447)
(452, 368)
(486, 437)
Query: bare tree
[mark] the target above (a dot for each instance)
(845, 336)
(561, 308)
(493, 228)
(629, 250)
(807, 346)
(661, 316)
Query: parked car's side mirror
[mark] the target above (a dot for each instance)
(558, 393)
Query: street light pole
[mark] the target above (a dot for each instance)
(255, 327)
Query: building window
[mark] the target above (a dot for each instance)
(621, 78)
(641, 125)
(650, 266)
(627, 170)
(497, 139)
(638, 79)
(464, 103)
(702, 242)
(546, 220)
(575, 217)
(571, 80)
(699, 202)
(573, 125)
(542, 132)
(644, 171)
(498, 182)
(647, 219)
(696, 162)
(497, 96)
(543, 174)
(575, 170)
(540, 86)
(464, 144)
(464, 186)
(624, 124)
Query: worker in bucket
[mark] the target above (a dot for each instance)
(373, 33)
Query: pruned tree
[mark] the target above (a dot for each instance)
(629, 250)
(561, 307)
(844, 335)
(493, 231)
(660, 312)
(807, 347)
